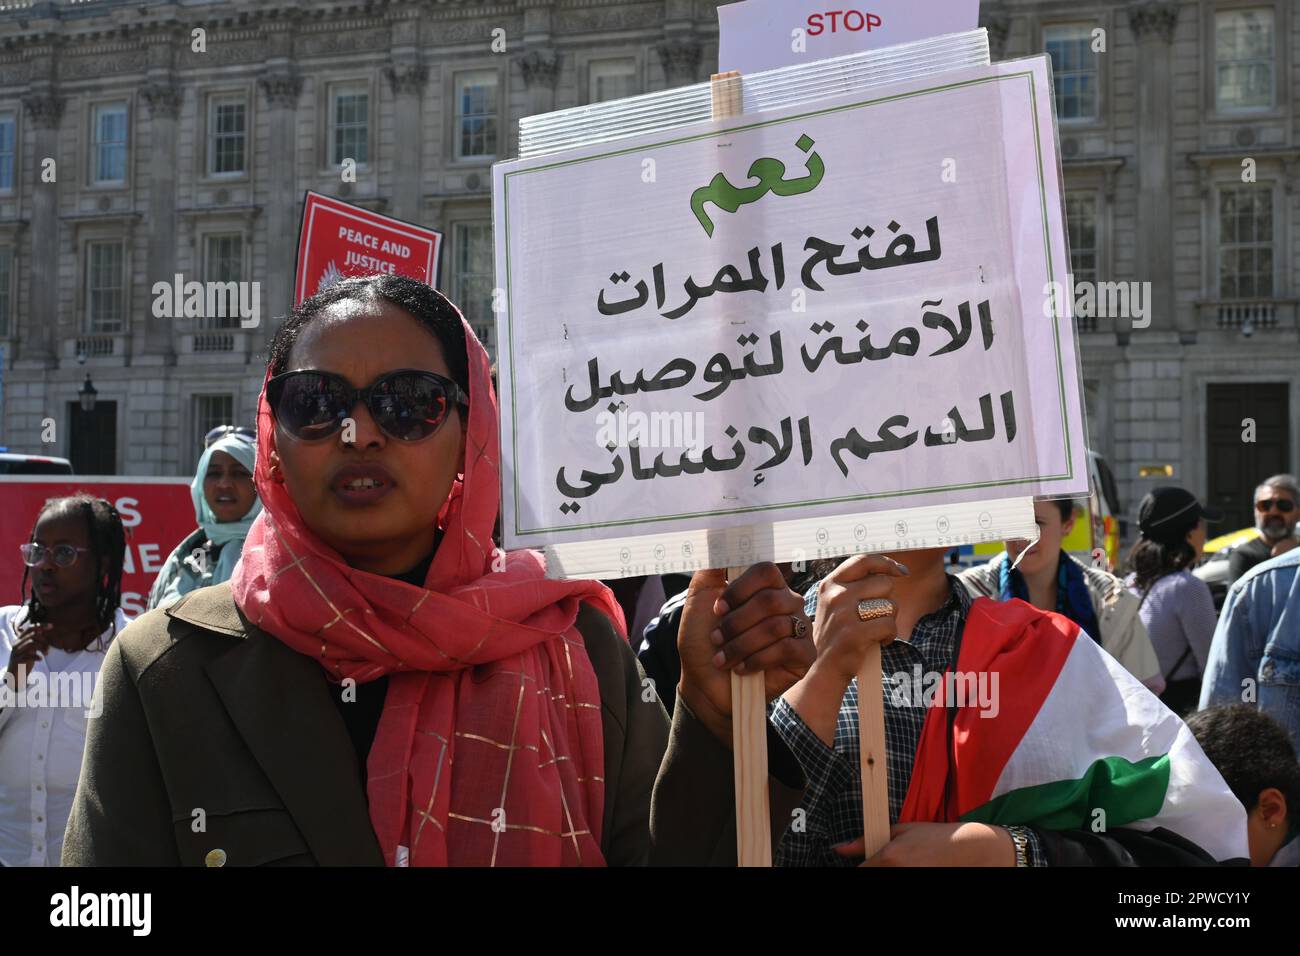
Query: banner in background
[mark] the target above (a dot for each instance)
(338, 239)
(157, 514)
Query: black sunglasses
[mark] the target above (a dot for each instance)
(408, 404)
(1284, 505)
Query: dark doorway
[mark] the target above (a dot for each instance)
(1235, 466)
(93, 438)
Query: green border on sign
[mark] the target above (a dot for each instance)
(1056, 330)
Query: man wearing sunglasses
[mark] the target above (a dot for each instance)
(1275, 518)
(1255, 654)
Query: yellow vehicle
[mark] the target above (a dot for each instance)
(1096, 529)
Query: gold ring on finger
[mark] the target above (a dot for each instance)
(873, 608)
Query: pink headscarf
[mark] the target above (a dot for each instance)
(490, 747)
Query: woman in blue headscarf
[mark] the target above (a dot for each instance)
(225, 504)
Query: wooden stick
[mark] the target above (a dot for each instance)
(749, 758)
(748, 703)
(871, 730)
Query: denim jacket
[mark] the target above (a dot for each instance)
(1258, 638)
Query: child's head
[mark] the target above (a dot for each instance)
(1258, 762)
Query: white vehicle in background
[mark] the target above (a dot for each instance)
(15, 464)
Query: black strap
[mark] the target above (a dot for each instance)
(1179, 663)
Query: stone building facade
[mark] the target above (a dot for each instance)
(1180, 141)
(1178, 127)
(176, 152)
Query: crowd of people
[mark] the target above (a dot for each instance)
(341, 667)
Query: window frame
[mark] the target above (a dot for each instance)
(88, 319)
(1274, 61)
(1274, 242)
(15, 173)
(596, 64)
(458, 276)
(197, 433)
(93, 144)
(8, 253)
(1098, 116)
(455, 116)
(1091, 193)
(208, 323)
(332, 91)
(213, 99)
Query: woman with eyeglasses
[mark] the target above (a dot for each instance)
(377, 683)
(55, 643)
(225, 504)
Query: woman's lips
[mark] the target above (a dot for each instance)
(362, 484)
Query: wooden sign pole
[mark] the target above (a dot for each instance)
(748, 704)
(871, 730)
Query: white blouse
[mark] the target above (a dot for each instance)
(42, 737)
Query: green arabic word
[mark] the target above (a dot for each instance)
(769, 173)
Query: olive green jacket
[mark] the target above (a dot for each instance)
(216, 736)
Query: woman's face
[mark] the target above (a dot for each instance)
(228, 487)
(1196, 538)
(57, 587)
(1051, 532)
(391, 528)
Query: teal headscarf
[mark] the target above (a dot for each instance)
(184, 571)
(221, 532)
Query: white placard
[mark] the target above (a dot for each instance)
(765, 34)
(868, 330)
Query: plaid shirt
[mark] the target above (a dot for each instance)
(832, 802)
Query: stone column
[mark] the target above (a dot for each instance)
(995, 19)
(36, 337)
(1153, 23)
(681, 61)
(407, 83)
(541, 69)
(163, 98)
(281, 86)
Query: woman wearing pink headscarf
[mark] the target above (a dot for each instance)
(377, 684)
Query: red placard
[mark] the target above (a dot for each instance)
(157, 512)
(338, 239)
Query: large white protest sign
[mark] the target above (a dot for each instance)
(765, 34)
(790, 316)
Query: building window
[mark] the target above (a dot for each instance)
(1074, 70)
(209, 412)
(108, 143)
(227, 134)
(8, 137)
(1246, 242)
(105, 286)
(473, 278)
(1243, 59)
(610, 80)
(6, 286)
(1081, 221)
(349, 124)
(476, 115)
(223, 261)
